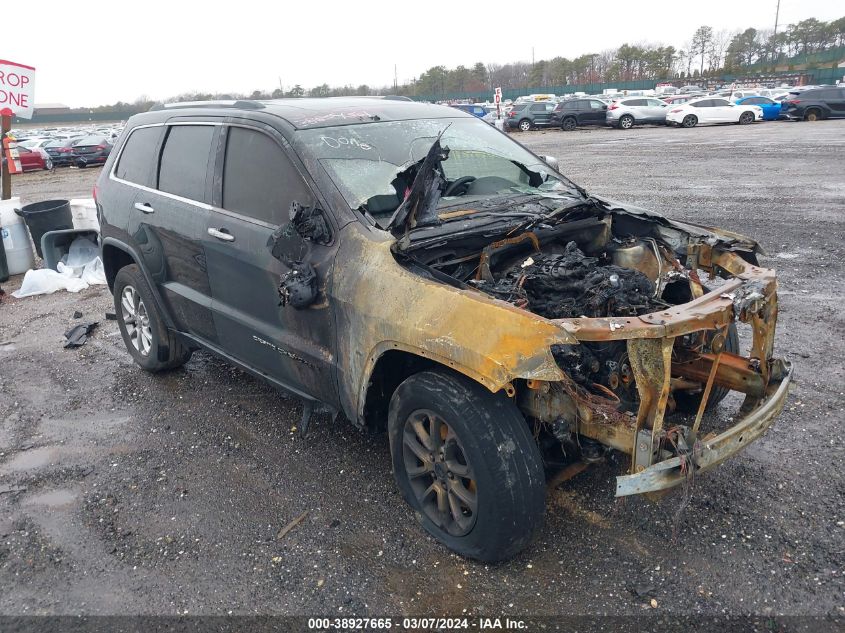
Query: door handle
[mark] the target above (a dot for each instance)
(143, 207)
(221, 234)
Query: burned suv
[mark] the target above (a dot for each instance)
(416, 270)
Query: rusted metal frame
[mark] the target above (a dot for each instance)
(651, 362)
(668, 473)
(705, 397)
(549, 402)
(487, 253)
(734, 372)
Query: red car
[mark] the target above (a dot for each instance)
(32, 159)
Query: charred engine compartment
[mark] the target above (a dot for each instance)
(586, 265)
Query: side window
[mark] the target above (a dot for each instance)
(706, 103)
(259, 180)
(596, 105)
(635, 102)
(718, 103)
(550, 107)
(655, 102)
(184, 161)
(138, 157)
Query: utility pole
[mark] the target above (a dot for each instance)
(774, 35)
(7, 176)
(395, 78)
(532, 56)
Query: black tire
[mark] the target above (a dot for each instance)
(688, 402)
(813, 114)
(524, 125)
(499, 453)
(690, 120)
(152, 346)
(746, 117)
(626, 122)
(568, 124)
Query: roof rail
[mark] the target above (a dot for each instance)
(240, 104)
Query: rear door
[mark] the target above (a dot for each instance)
(656, 110)
(542, 113)
(596, 112)
(168, 222)
(723, 111)
(704, 111)
(258, 179)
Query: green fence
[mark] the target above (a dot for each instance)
(76, 117)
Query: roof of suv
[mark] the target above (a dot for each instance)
(325, 112)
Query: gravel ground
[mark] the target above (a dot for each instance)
(122, 492)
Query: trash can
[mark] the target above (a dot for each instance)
(4, 267)
(16, 243)
(43, 217)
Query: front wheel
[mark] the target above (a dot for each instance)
(746, 117)
(690, 120)
(465, 461)
(626, 122)
(524, 125)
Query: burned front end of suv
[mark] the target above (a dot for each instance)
(610, 327)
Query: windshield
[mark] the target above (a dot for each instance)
(370, 162)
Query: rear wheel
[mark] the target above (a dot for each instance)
(147, 339)
(524, 125)
(813, 114)
(569, 124)
(746, 117)
(626, 122)
(690, 120)
(465, 461)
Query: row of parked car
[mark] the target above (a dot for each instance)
(77, 149)
(680, 110)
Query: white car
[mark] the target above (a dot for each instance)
(712, 110)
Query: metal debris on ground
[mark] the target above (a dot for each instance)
(78, 334)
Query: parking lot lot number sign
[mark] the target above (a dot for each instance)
(17, 89)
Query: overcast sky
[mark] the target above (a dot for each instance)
(96, 52)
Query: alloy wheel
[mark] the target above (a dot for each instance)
(441, 478)
(136, 320)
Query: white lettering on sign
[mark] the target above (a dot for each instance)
(17, 89)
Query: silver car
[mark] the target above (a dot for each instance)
(626, 113)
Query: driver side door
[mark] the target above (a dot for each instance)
(257, 177)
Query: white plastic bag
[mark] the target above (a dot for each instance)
(82, 252)
(46, 281)
(94, 274)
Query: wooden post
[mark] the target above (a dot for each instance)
(6, 176)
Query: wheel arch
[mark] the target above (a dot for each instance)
(117, 255)
(388, 367)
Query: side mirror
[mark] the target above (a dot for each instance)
(310, 223)
(551, 161)
(604, 107)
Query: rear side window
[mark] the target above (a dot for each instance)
(138, 156)
(823, 95)
(184, 161)
(259, 180)
(635, 102)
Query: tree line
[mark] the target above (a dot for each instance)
(706, 53)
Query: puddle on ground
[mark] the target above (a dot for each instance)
(40, 458)
(52, 498)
